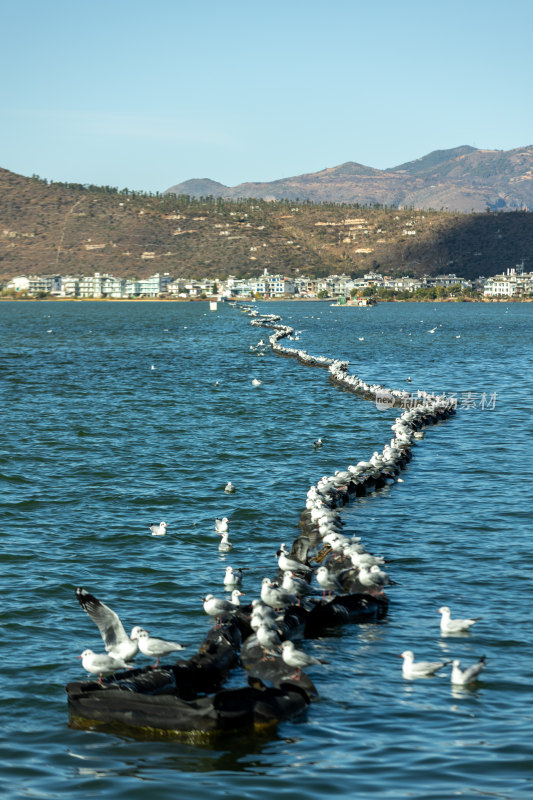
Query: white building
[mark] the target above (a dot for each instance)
(516, 283)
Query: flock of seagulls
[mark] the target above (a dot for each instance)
(120, 648)
(369, 571)
(342, 565)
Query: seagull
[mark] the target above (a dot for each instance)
(408, 379)
(374, 578)
(327, 581)
(419, 669)
(225, 545)
(159, 530)
(216, 383)
(297, 658)
(295, 585)
(232, 577)
(256, 382)
(153, 366)
(361, 338)
(222, 525)
(468, 675)
(219, 607)
(318, 443)
(150, 646)
(276, 596)
(229, 488)
(291, 564)
(449, 625)
(118, 644)
(433, 329)
(267, 637)
(101, 664)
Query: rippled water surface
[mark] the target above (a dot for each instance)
(96, 445)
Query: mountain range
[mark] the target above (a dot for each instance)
(461, 179)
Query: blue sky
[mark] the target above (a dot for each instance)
(148, 94)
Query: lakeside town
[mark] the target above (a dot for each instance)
(515, 283)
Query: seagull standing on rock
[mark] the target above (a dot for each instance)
(118, 644)
(219, 607)
(297, 658)
(275, 596)
(286, 563)
(101, 664)
(150, 646)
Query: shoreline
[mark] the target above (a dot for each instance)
(260, 300)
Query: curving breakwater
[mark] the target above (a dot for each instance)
(187, 697)
(348, 565)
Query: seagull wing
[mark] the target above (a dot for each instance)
(471, 673)
(108, 623)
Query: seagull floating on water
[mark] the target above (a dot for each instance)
(225, 545)
(118, 644)
(229, 488)
(449, 625)
(222, 525)
(159, 530)
(256, 382)
(318, 443)
(462, 677)
(150, 646)
(419, 669)
(101, 664)
(233, 577)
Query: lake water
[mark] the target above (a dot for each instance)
(96, 445)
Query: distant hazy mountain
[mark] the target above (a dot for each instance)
(461, 179)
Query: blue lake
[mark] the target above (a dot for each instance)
(95, 445)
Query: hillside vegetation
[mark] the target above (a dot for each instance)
(71, 229)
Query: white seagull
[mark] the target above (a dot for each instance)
(275, 596)
(225, 545)
(159, 530)
(232, 577)
(328, 582)
(419, 669)
(462, 677)
(286, 563)
(150, 646)
(229, 488)
(256, 382)
(268, 637)
(297, 658)
(449, 625)
(118, 644)
(222, 525)
(101, 664)
(219, 607)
